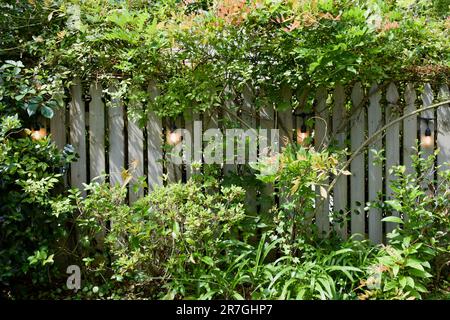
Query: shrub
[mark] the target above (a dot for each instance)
(417, 258)
(33, 218)
(163, 238)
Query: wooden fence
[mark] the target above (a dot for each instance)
(107, 141)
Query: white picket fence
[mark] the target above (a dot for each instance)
(108, 141)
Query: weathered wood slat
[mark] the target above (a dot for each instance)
(58, 127)
(78, 172)
(267, 122)
(443, 130)
(284, 122)
(357, 167)
(116, 148)
(249, 118)
(339, 134)
(230, 117)
(392, 144)
(427, 100)
(375, 178)
(154, 144)
(321, 140)
(135, 158)
(212, 151)
(284, 118)
(190, 145)
(409, 128)
(96, 132)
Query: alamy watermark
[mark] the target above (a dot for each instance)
(74, 280)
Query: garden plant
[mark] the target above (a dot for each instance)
(198, 238)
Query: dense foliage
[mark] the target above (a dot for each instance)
(197, 240)
(33, 217)
(195, 50)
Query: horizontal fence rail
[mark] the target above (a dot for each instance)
(108, 141)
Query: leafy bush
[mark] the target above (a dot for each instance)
(417, 257)
(33, 218)
(162, 238)
(181, 241)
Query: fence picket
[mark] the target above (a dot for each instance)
(78, 172)
(375, 181)
(58, 127)
(409, 128)
(135, 158)
(249, 118)
(392, 144)
(96, 132)
(321, 137)
(154, 143)
(116, 150)
(284, 118)
(443, 130)
(339, 134)
(267, 122)
(174, 171)
(427, 99)
(357, 167)
(190, 127)
(230, 116)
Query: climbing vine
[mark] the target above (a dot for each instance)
(201, 53)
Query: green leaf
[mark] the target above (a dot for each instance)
(47, 112)
(237, 296)
(390, 285)
(31, 108)
(393, 219)
(208, 260)
(413, 263)
(48, 260)
(20, 96)
(395, 204)
(403, 282)
(395, 269)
